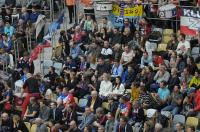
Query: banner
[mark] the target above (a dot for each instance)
(123, 10)
(190, 22)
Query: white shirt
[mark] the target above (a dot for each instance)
(107, 51)
(120, 90)
(105, 88)
(126, 57)
(183, 47)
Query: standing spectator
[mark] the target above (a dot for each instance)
(89, 24)
(6, 43)
(31, 86)
(71, 5)
(10, 3)
(128, 25)
(24, 14)
(88, 119)
(33, 15)
(88, 8)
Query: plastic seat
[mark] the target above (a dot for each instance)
(82, 103)
(28, 125)
(46, 65)
(33, 128)
(168, 32)
(195, 52)
(162, 47)
(179, 118)
(198, 66)
(105, 105)
(192, 121)
(58, 67)
(166, 39)
(49, 130)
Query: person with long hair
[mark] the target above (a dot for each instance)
(18, 124)
(118, 88)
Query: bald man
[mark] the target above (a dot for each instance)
(94, 101)
(7, 123)
(73, 127)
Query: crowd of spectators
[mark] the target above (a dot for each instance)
(112, 80)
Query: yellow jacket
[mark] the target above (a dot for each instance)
(134, 93)
(194, 81)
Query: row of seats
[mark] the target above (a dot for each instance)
(32, 128)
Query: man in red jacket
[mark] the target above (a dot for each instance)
(196, 101)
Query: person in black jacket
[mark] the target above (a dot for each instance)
(18, 125)
(173, 80)
(6, 124)
(94, 101)
(51, 76)
(55, 113)
(123, 125)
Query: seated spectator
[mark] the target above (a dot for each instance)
(161, 75)
(117, 69)
(73, 127)
(123, 125)
(158, 127)
(126, 37)
(190, 129)
(163, 94)
(41, 127)
(9, 30)
(7, 123)
(172, 44)
(128, 25)
(173, 80)
(179, 127)
(82, 88)
(32, 110)
(135, 88)
(176, 101)
(1, 27)
(75, 50)
(195, 81)
(69, 64)
(7, 97)
(6, 43)
(55, 114)
(146, 99)
(183, 47)
(124, 108)
(33, 15)
(190, 64)
(185, 76)
(72, 81)
(180, 63)
(44, 112)
(24, 14)
(137, 114)
(88, 119)
(94, 101)
(146, 60)
(105, 24)
(105, 86)
(112, 105)
(51, 76)
(115, 37)
(100, 118)
(106, 52)
(128, 77)
(117, 52)
(78, 35)
(102, 67)
(118, 88)
(88, 24)
(18, 124)
(109, 127)
(69, 115)
(127, 56)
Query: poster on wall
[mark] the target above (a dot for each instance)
(123, 10)
(190, 22)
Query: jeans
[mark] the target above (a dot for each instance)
(173, 109)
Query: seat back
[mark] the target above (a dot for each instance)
(46, 65)
(58, 67)
(82, 103)
(192, 121)
(28, 125)
(33, 128)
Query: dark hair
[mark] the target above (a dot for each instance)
(164, 83)
(183, 35)
(191, 127)
(125, 119)
(53, 68)
(105, 18)
(120, 80)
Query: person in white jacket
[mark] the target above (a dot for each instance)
(105, 86)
